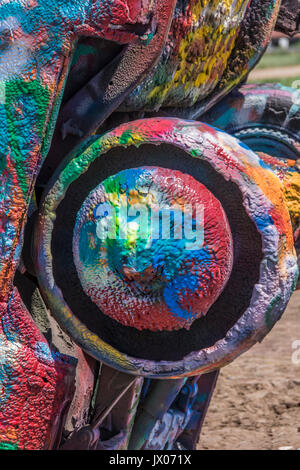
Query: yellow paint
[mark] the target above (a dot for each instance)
(271, 186)
(204, 51)
(291, 184)
(288, 171)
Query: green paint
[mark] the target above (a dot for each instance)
(8, 446)
(83, 50)
(16, 92)
(126, 137)
(272, 306)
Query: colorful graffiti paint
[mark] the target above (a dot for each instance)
(37, 41)
(36, 383)
(211, 47)
(150, 291)
(266, 207)
(169, 253)
(266, 118)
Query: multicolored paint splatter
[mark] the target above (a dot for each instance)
(35, 383)
(172, 262)
(211, 47)
(202, 37)
(37, 39)
(266, 117)
(264, 203)
(289, 173)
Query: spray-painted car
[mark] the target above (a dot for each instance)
(126, 111)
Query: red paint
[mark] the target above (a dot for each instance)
(36, 387)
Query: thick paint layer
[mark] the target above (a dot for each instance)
(35, 383)
(263, 199)
(37, 39)
(211, 47)
(266, 118)
(172, 262)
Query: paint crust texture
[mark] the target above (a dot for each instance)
(211, 47)
(152, 278)
(35, 382)
(209, 50)
(263, 200)
(37, 38)
(267, 117)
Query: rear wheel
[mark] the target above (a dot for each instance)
(265, 117)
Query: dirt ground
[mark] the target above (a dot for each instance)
(280, 72)
(256, 404)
